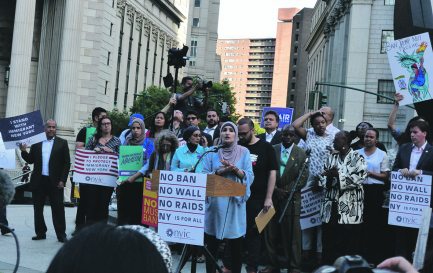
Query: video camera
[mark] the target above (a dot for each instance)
(351, 264)
(203, 84)
(177, 57)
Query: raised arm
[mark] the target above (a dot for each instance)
(393, 115)
(298, 124)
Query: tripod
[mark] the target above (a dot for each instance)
(191, 251)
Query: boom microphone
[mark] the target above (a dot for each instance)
(7, 189)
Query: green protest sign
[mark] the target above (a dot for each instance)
(90, 131)
(130, 162)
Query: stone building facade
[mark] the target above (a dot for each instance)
(66, 57)
(345, 47)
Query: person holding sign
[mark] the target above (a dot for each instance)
(97, 198)
(84, 135)
(374, 186)
(130, 192)
(225, 217)
(343, 204)
(187, 156)
(51, 168)
(413, 159)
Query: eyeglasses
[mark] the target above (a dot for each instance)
(196, 135)
(244, 133)
(191, 118)
(106, 123)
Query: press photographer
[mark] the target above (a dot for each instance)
(187, 101)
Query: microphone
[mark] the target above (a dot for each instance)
(7, 189)
(216, 148)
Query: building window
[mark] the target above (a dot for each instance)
(295, 60)
(295, 49)
(385, 137)
(108, 58)
(389, 2)
(195, 22)
(297, 24)
(293, 85)
(294, 73)
(106, 88)
(192, 63)
(193, 47)
(197, 3)
(296, 37)
(292, 98)
(387, 36)
(385, 88)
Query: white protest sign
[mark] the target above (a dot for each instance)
(181, 207)
(311, 203)
(95, 168)
(7, 157)
(408, 198)
(411, 62)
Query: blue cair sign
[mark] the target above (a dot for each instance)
(285, 115)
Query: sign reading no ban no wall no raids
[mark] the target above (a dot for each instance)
(408, 198)
(181, 207)
(27, 129)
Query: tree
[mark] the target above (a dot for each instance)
(222, 92)
(119, 121)
(150, 101)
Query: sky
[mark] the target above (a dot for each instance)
(253, 18)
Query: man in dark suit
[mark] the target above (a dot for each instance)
(413, 159)
(51, 166)
(272, 135)
(291, 159)
(212, 120)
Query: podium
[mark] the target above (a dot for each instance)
(216, 186)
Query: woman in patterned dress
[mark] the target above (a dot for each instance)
(343, 204)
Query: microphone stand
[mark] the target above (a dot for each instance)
(292, 192)
(17, 244)
(189, 250)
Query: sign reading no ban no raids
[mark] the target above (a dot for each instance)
(27, 129)
(408, 198)
(311, 202)
(95, 168)
(181, 207)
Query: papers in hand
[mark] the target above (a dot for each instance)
(263, 218)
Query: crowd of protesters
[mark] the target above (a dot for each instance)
(352, 170)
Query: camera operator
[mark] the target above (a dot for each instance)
(186, 101)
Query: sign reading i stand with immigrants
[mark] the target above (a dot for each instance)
(181, 207)
(408, 198)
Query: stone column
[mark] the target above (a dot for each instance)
(68, 68)
(21, 58)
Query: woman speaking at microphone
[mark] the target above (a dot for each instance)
(225, 217)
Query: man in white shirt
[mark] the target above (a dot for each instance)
(212, 120)
(51, 167)
(272, 135)
(413, 159)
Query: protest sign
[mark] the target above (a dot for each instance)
(149, 214)
(408, 198)
(411, 62)
(285, 115)
(27, 129)
(311, 203)
(95, 168)
(130, 162)
(7, 157)
(90, 132)
(181, 207)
